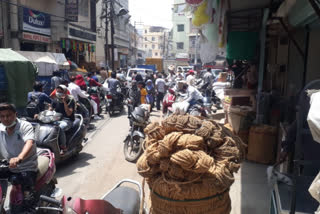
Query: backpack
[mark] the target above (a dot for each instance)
(33, 105)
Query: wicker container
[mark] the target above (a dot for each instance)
(262, 144)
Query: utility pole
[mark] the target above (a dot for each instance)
(196, 48)
(112, 34)
(106, 48)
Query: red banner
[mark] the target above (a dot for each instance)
(36, 37)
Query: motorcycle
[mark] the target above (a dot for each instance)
(114, 102)
(45, 184)
(97, 95)
(139, 119)
(47, 135)
(119, 200)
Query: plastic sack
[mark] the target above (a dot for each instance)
(180, 107)
(314, 116)
(200, 15)
(315, 188)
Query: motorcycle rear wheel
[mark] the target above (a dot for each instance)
(132, 149)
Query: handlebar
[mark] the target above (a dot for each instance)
(50, 200)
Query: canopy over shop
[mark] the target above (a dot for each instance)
(272, 48)
(18, 74)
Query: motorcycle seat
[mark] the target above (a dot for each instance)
(125, 198)
(43, 166)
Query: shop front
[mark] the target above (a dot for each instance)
(79, 46)
(122, 58)
(36, 31)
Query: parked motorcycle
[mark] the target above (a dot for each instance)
(139, 119)
(114, 102)
(47, 135)
(119, 200)
(45, 184)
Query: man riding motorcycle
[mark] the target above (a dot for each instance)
(193, 95)
(65, 105)
(18, 147)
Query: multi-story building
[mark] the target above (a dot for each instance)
(136, 52)
(184, 35)
(65, 26)
(121, 29)
(155, 41)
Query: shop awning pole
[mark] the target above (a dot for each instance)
(263, 35)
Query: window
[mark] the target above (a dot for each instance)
(153, 46)
(153, 39)
(179, 8)
(180, 28)
(159, 47)
(145, 31)
(146, 46)
(180, 45)
(156, 53)
(145, 38)
(84, 8)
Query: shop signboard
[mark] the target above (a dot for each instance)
(36, 37)
(36, 22)
(72, 10)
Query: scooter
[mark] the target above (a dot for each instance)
(139, 119)
(114, 102)
(45, 184)
(47, 135)
(168, 100)
(119, 200)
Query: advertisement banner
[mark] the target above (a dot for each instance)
(72, 10)
(35, 21)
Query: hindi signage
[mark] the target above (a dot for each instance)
(72, 10)
(35, 21)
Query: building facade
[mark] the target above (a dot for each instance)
(184, 36)
(121, 29)
(155, 41)
(64, 26)
(136, 51)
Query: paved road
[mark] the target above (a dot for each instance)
(101, 164)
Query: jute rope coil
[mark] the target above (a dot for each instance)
(188, 158)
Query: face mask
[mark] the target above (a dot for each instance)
(12, 124)
(59, 95)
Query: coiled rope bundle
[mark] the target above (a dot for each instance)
(188, 164)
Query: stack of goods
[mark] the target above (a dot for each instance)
(188, 164)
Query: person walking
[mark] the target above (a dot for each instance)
(161, 89)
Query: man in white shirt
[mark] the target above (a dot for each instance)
(190, 78)
(76, 92)
(161, 89)
(193, 95)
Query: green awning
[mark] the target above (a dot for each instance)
(242, 45)
(20, 73)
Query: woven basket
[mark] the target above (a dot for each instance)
(218, 204)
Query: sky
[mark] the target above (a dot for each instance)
(151, 12)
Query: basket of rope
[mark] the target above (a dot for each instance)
(188, 164)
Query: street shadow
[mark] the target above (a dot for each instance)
(69, 166)
(253, 191)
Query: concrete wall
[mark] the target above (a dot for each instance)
(314, 59)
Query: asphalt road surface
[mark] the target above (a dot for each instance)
(101, 164)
